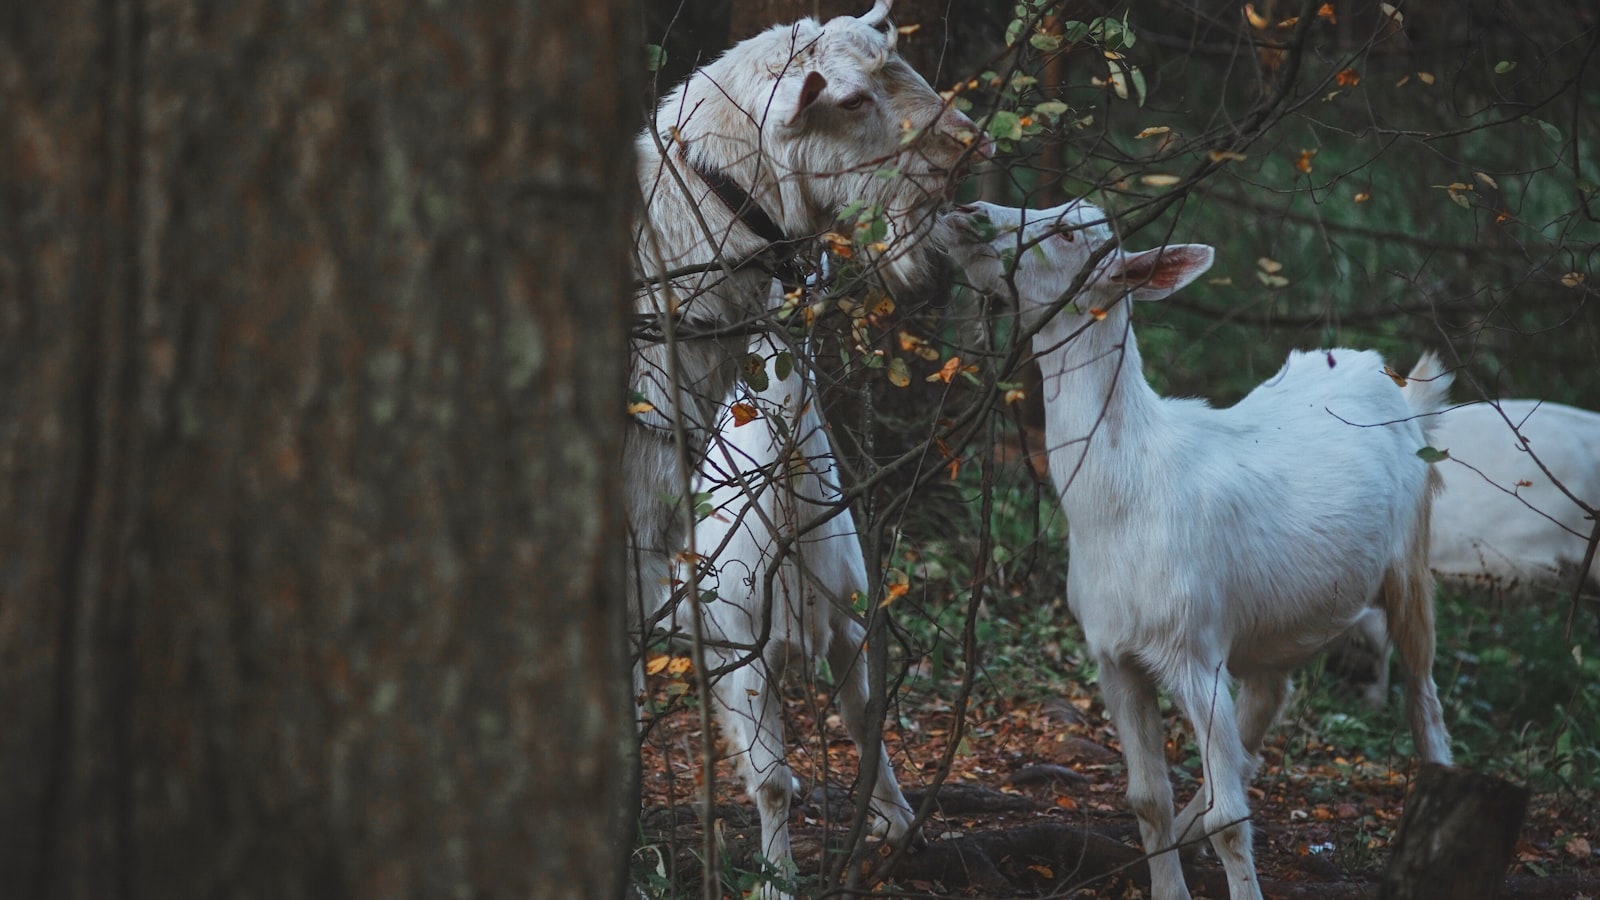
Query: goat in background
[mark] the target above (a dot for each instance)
(1500, 524)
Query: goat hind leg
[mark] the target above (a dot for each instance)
(1413, 639)
(848, 664)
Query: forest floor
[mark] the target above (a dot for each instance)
(1033, 806)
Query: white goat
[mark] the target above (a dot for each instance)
(766, 479)
(1499, 523)
(1209, 543)
(752, 156)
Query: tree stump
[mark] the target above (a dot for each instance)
(1456, 837)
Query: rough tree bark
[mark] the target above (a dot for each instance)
(1458, 835)
(311, 345)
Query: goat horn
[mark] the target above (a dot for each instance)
(878, 13)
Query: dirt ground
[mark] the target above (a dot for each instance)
(1033, 806)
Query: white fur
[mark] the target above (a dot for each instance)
(1212, 545)
(1500, 524)
(766, 482)
(807, 118)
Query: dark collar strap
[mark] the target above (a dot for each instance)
(739, 202)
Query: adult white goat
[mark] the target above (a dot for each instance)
(749, 158)
(763, 481)
(1500, 524)
(1208, 543)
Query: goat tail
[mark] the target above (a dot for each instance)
(1427, 388)
(1408, 586)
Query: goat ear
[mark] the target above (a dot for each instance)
(810, 90)
(1155, 274)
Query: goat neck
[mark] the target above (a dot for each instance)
(1097, 402)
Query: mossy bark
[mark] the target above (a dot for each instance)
(311, 366)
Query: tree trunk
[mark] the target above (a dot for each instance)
(1456, 837)
(311, 366)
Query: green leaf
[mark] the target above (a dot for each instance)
(655, 56)
(1051, 108)
(1550, 131)
(1432, 455)
(782, 365)
(1138, 82)
(755, 372)
(1044, 42)
(1005, 125)
(1504, 66)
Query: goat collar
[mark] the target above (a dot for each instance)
(739, 202)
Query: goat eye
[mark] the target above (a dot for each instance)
(854, 101)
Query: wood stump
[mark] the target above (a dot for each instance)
(1456, 836)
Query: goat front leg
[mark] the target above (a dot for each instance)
(1201, 688)
(1261, 701)
(748, 712)
(1131, 701)
(848, 664)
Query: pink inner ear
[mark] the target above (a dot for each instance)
(1157, 271)
(810, 91)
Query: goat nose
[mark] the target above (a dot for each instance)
(985, 146)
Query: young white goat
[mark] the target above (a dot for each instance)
(1499, 523)
(751, 157)
(1212, 545)
(766, 479)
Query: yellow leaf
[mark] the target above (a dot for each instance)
(1152, 131)
(1160, 180)
(1393, 13)
(882, 306)
(1347, 78)
(1098, 314)
(1226, 156)
(656, 663)
(743, 414)
(1015, 394)
(1362, 197)
(1573, 279)
(1303, 163)
(950, 369)
(909, 342)
(1267, 264)
(1044, 871)
(899, 375)
(1220, 282)
(1425, 77)
(1256, 19)
(907, 29)
(1394, 376)
(640, 407)
(896, 584)
(1325, 11)
(1487, 180)
(838, 244)
(1402, 81)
